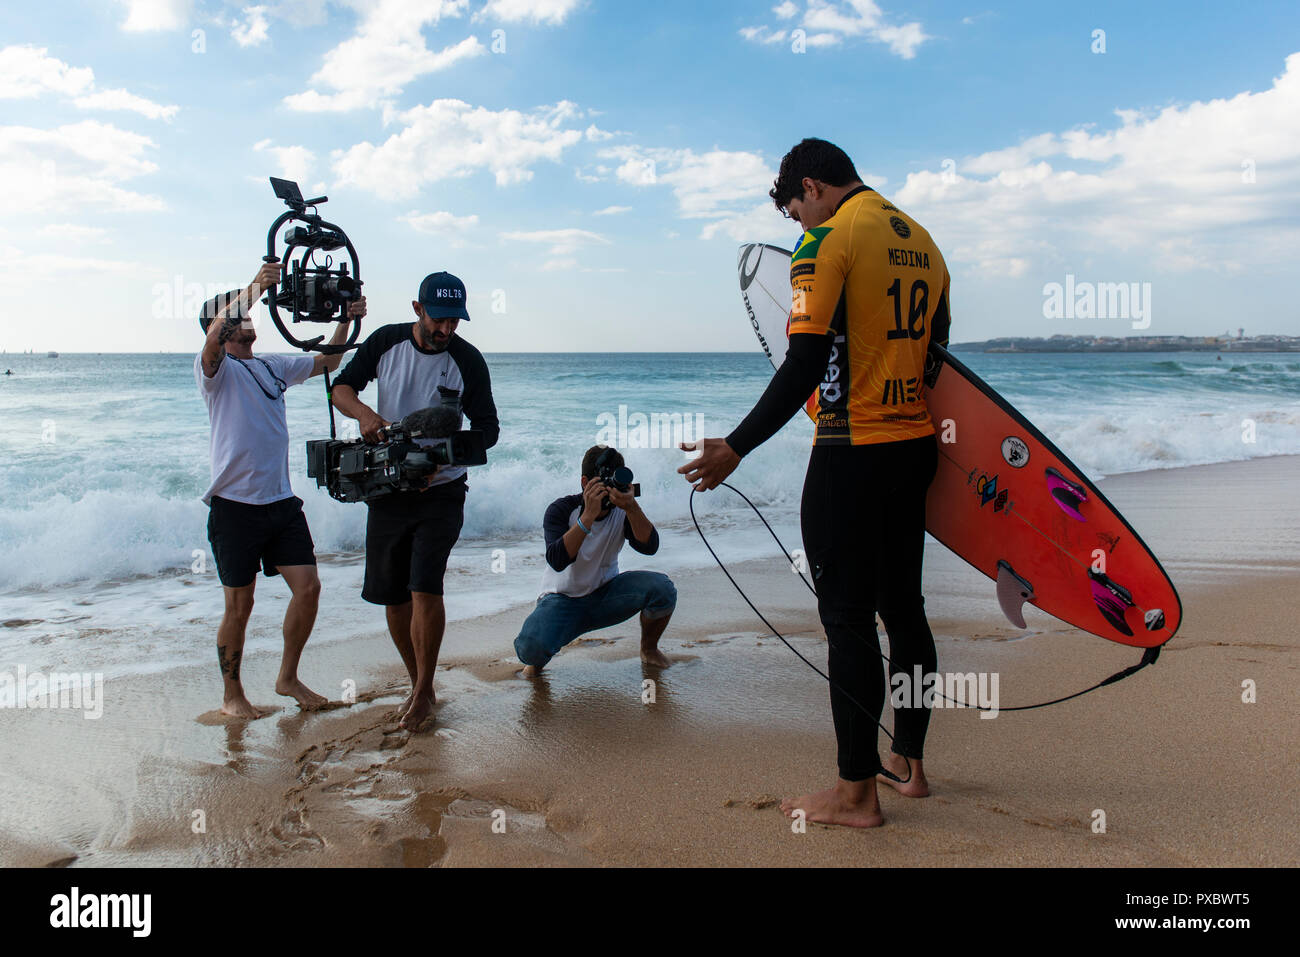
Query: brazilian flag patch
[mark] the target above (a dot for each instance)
(812, 239)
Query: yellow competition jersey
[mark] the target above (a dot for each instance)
(872, 277)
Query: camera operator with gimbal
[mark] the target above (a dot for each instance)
(582, 589)
(410, 534)
(254, 518)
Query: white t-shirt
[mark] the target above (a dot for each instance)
(250, 435)
(597, 559)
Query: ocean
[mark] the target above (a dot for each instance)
(104, 562)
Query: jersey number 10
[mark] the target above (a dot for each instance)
(918, 300)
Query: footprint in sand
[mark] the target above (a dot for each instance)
(219, 717)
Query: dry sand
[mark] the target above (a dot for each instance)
(577, 768)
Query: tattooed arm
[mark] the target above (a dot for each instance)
(227, 322)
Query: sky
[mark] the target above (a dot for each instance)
(590, 167)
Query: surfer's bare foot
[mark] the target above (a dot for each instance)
(419, 711)
(238, 706)
(916, 786)
(307, 699)
(848, 804)
(654, 657)
(530, 671)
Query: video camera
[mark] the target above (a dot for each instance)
(618, 478)
(356, 471)
(311, 292)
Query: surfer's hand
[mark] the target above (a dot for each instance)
(716, 461)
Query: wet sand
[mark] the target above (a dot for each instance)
(578, 768)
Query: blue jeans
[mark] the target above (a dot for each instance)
(559, 619)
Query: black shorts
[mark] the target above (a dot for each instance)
(245, 537)
(409, 536)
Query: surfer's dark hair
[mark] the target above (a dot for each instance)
(589, 467)
(814, 159)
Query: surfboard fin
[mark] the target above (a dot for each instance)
(1066, 494)
(1013, 592)
(1112, 601)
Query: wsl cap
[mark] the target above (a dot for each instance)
(443, 296)
(233, 298)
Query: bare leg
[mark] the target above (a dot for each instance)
(428, 621)
(230, 650)
(298, 620)
(917, 786)
(652, 630)
(848, 803)
(399, 627)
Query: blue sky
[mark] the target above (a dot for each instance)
(593, 175)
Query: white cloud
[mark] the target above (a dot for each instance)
(561, 241)
(439, 222)
(253, 31)
(148, 15)
(123, 100)
(1166, 190)
(612, 210)
(75, 166)
(534, 11)
(292, 162)
(58, 266)
(829, 22)
(385, 54)
(450, 139)
(727, 187)
(26, 72)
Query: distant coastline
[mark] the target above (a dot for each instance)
(1061, 343)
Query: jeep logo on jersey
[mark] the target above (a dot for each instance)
(900, 227)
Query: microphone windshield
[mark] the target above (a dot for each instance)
(436, 422)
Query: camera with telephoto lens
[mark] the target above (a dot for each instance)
(411, 451)
(615, 477)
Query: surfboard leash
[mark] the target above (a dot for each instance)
(1148, 658)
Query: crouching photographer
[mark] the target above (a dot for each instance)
(410, 533)
(582, 588)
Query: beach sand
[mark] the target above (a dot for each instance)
(578, 768)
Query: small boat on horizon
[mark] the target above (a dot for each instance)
(51, 354)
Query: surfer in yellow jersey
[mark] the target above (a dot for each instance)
(870, 292)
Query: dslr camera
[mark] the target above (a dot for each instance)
(615, 477)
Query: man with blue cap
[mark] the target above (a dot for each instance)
(409, 535)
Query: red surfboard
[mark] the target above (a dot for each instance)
(1007, 500)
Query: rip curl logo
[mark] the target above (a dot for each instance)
(900, 227)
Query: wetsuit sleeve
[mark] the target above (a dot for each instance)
(801, 372)
(650, 547)
(476, 400)
(942, 323)
(554, 525)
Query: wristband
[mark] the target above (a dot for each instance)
(583, 527)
